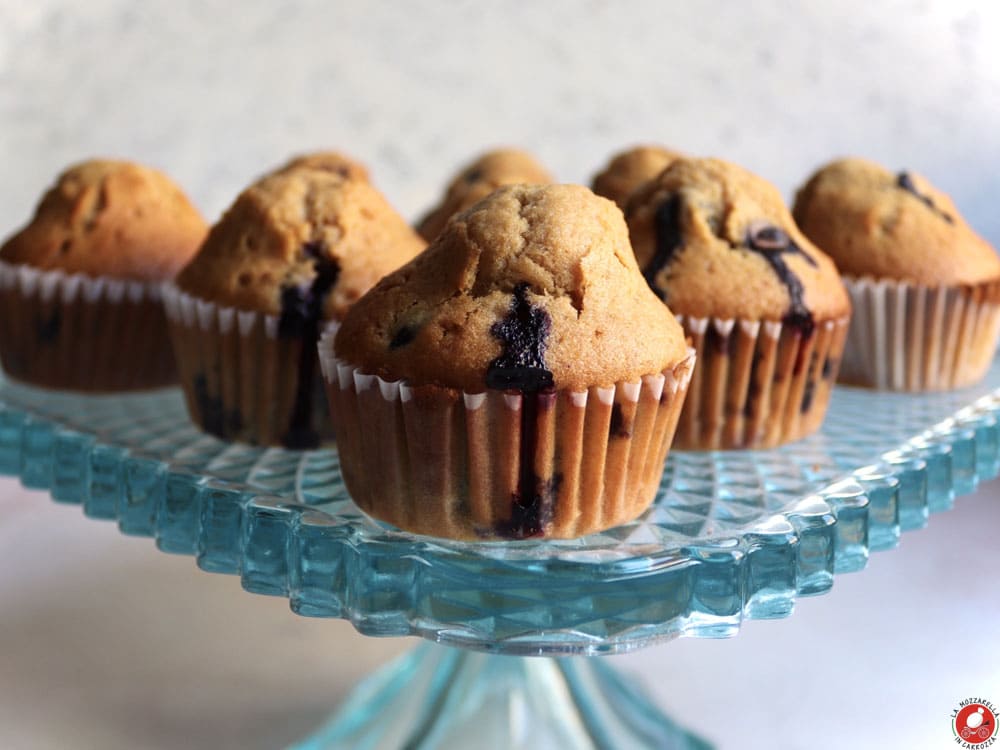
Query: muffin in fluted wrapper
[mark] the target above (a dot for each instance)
(764, 308)
(925, 286)
(80, 304)
(291, 254)
(517, 379)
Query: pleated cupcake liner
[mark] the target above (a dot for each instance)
(758, 384)
(241, 380)
(502, 464)
(75, 332)
(907, 337)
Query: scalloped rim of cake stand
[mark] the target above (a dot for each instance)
(702, 589)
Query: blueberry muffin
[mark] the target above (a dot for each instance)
(629, 169)
(925, 286)
(294, 251)
(506, 166)
(494, 387)
(80, 301)
(764, 307)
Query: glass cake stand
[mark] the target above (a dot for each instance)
(732, 536)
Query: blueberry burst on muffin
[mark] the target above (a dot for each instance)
(295, 250)
(494, 387)
(764, 307)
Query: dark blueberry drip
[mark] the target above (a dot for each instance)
(302, 307)
(807, 395)
(214, 419)
(403, 336)
(809, 392)
(301, 313)
(301, 433)
(525, 333)
(48, 328)
(529, 519)
(773, 244)
(532, 506)
(618, 427)
(904, 181)
(669, 239)
(296, 304)
(829, 367)
(753, 387)
(314, 249)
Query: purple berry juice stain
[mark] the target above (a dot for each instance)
(521, 367)
(301, 315)
(905, 182)
(669, 240)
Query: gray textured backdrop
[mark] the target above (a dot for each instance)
(216, 92)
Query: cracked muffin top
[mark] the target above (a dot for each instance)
(303, 237)
(534, 287)
(629, 169)
(110, 218)
(505, 166)
(898, 226)
(714, 240)
(327, 161)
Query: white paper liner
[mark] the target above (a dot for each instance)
(46, 285)
(188, 310)
(906, 337)
(241, 380)
(758, 384)
(77, 332)
(444, 462)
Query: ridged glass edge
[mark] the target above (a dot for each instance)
(330, 570)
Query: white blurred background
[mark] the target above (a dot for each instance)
(106, 643)
(216, 92)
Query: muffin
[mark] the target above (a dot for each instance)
(629, 169)
(80, 301)
(925, 286)
(764, 307)
(295, 250)
(327, 161)
(494, 388)
(505, 166)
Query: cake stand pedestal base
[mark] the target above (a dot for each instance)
(440, 697)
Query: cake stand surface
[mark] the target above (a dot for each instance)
(733, 535)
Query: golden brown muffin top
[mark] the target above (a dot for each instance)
(297, 235)
(533, 287)
(327, 161)
(714, 240)
(629, 169)
(110, 218)
(504, 166)
(896, 226)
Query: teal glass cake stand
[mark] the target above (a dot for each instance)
(732, 536)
